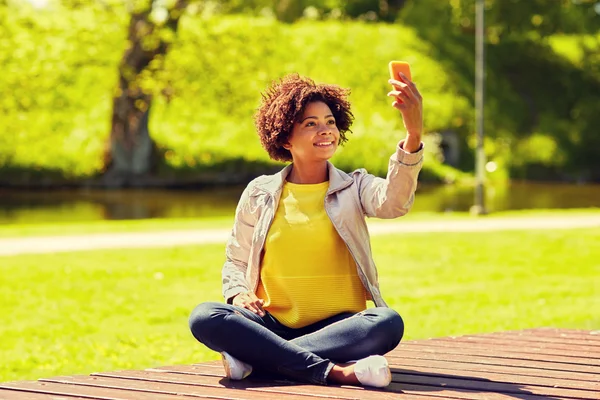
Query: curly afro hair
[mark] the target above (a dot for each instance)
(283, 104)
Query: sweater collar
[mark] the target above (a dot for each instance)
(337, 180)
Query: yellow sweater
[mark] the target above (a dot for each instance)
(307, 273)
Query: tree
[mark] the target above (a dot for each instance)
(505, 18)
(152, 28)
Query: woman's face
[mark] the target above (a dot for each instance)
(316, 136)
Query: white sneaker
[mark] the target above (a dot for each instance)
(373, 371)
(234, 368)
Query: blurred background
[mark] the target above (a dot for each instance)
(127, 109)
(126, 130)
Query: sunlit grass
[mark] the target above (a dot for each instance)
(103, 310)
(113, 226)
(166, 224)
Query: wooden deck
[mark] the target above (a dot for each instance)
(530, 364)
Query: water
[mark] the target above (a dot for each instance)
(89, 205)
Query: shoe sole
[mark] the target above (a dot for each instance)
(388, 376)
(226, 367)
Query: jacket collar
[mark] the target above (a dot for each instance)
(337, 180)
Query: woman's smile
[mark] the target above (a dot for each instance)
(324, 144)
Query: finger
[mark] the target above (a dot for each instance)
(259, 305)
(251, 307)
(238, 302)
(415, 92)
(259, 308)
(257, 301)
(404, 87)
(397, 83)
(399, 95)
(402, 79)
(400, 101)
(405, 78)
(411, 90)
(256, 305)
(412, 85)
(399, 105)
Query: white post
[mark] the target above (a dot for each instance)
(479, 206)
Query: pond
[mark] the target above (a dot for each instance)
(88, 205)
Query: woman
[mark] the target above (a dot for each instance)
(299, 268)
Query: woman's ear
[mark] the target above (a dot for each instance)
(286, 146)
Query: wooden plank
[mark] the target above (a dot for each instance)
(562, 332)
(405, 388)
(546, 337)
(504, 354)
(550, 339)
(196, 377)
(519, 347)
(87, 392)
(565, 337)
(402, 354)
(233, 390)
(506, 369)
(518, 343)
(6, 394)
(457, 382)
(500, 377)
(450, 393)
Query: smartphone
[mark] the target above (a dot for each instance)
(399, 66)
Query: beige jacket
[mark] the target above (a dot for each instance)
(349, 199)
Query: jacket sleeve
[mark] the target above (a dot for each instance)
(393, 196)
(237, 251)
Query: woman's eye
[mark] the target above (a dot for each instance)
(331, 122)
(310, 124)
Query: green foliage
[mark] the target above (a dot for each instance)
(290, 11)
(509, 18)
(60, 68)
(58, 75)
(214, 74)
(535, 84)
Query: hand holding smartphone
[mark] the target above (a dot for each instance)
(408, 101)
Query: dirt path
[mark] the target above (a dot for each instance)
(56, 244)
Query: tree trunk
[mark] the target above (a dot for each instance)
(129, 160)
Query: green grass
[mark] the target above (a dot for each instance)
(103, 310)
(114, 226)
(165, 224)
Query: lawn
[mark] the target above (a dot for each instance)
(75, 313)
(120, 226)
(169, 224)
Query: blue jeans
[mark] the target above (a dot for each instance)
(305, 354)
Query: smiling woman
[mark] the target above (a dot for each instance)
(299, 269)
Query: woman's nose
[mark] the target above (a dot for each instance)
(324, 129)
